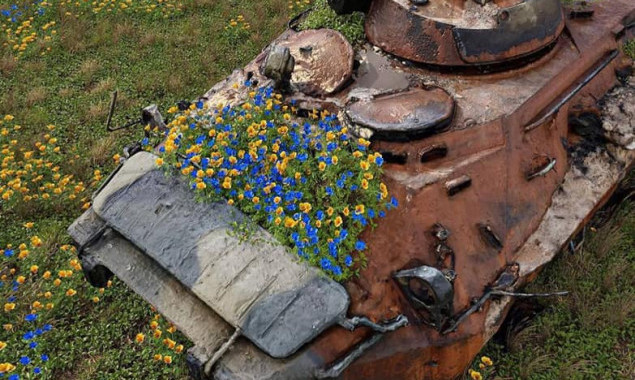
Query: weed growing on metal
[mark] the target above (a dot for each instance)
(312, 186)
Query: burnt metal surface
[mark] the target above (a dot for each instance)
(323, 61)
(404, 115)
(522, 29)
(447, 35)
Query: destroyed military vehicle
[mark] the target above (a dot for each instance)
(476, 107)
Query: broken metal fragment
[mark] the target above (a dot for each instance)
(457, 185)
(433, 152)
(278, 66)
(489, 236)
(440, 232)
(542, 170)
(405, 115)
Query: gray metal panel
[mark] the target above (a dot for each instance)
(191, 316)
(239, 280)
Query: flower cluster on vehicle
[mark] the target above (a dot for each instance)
(306, 181)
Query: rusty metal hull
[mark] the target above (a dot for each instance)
(497, 176)
(486, 141)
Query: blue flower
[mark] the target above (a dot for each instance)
(145, 141)
(44, 357)
(14, 377)
(30, 317)
(33, 345)
(348, 261)
(360, 245)
(24, 360)
(8, 253)
(325, 263)
(37, 370)
(337, 270)
(199, 105)
(379, 161)
(28, 335)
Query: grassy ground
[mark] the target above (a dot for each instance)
(588, 334)
(160, 52)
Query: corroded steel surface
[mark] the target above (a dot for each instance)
(404, 115)
(458, 38)
(323, 61)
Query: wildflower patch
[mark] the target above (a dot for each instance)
(305, 181)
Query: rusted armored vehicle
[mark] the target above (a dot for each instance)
(481, 110)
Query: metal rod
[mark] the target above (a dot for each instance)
(113, 101)
(336, 369)
(556, 107)
(221, 351)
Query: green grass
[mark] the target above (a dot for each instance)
(629, 48)
(590, 333)
(350, 25)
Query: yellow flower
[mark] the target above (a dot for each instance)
(159, 161)
(169, 343)
(21, 279)
(364, 165)
(2, 345)
(7, 327)
(158, 357)
(475, 375)
(487, 361)
(338, 221)
(178, 349)
(154, 325)
(49, 306)
(140, 338)
(71, 292)
(6, 367)
(34, 269)
(46, 275)
(200, 185)
(359, 209)
(36, 241)
(9, 306)
(95, 299)
(28, 225)
(322, 166)
(37, 305)
(157, 333)
(48, 295)
(167, 359)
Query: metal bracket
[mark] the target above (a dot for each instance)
(336, 369)
(352, 323)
